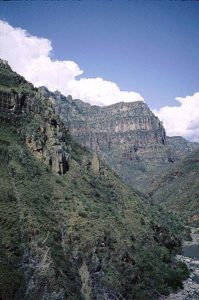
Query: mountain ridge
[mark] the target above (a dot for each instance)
(128, 136)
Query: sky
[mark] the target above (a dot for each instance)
(105, 52)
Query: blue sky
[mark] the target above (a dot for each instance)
(150, 47)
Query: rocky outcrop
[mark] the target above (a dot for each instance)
(95, 163)
(47, 138)
(178, 148)
(14, 106)
(45, 134)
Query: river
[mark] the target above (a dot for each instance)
(190, 255)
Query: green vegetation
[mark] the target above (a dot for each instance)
(178, 189)
(83, 235)
(50, 225)
(12, 82)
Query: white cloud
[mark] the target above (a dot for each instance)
(182, 120)
(30, 56)
(100, 91)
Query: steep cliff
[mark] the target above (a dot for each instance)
(128, 136)
(69, 228)
(45, 135)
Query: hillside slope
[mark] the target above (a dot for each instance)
(69, 228)
(178, 189)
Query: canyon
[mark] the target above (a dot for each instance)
(70, 228)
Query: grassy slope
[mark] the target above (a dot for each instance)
(178, 189)
(51, 225)
(10, 80)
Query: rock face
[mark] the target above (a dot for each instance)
(128, 136)
(47, 139)
(178, 148)
(45, 136)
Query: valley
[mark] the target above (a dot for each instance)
(178, 189)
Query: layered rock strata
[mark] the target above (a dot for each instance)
(128, 136)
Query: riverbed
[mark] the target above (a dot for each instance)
(190, 255)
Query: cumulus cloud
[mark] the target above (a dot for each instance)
(183, 119)
(30, 56)
(100, 91)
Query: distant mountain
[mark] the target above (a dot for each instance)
(128, 136)
(178, 189)
(69, 228)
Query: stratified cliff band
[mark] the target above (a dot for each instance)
(128, 136)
